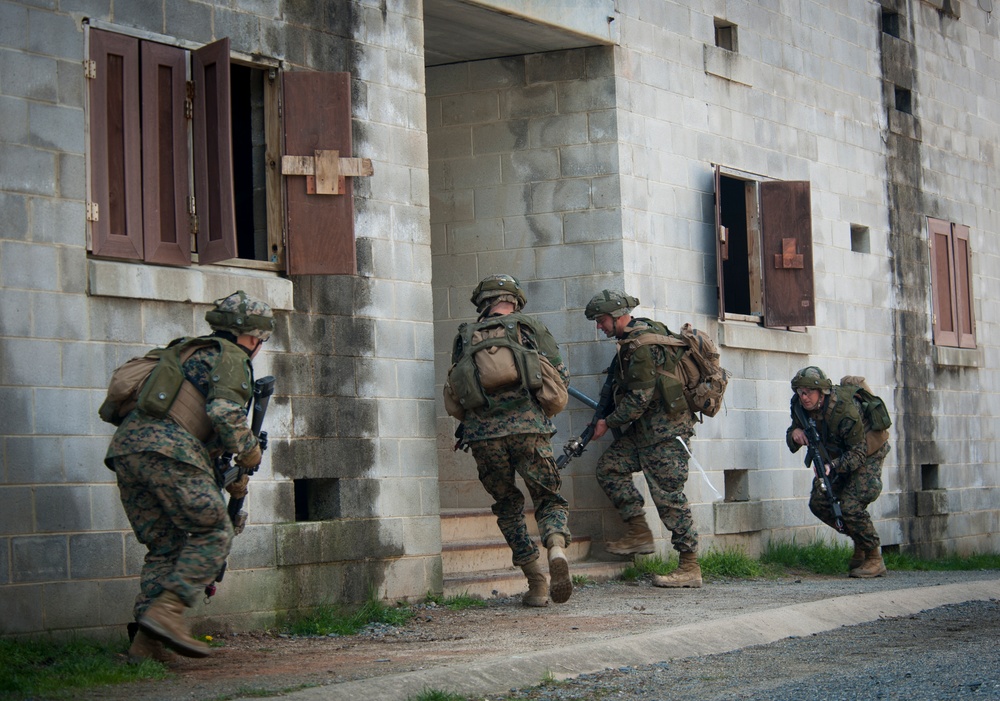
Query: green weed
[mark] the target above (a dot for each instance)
(38, 668)
(729, 562)
(648, 564)
(904, 562)
(582, 580)
(463, 601)
(435, 695)
(818, 556)
(336, 619)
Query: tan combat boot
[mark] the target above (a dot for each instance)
(638, 539)
(687, 574)
(856, 558)
(561, 584)
(164, 619)
(538, 586)
(145, 647)
(873, 566)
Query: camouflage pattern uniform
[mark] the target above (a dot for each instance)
(509, 437)
(167, 482)
(856, 476)
(649, 445)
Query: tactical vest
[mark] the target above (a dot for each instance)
(488, 356)
(637, 370)
(843, 408)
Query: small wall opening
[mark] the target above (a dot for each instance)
(929, 477)
(904, 100)
(737, 485)
(890, 23)
(317, 499)
(860, 242)
(725, 35)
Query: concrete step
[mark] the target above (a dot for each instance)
(459, 525)
(511, 581)
(494, 554)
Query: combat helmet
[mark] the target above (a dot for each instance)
(610, 302)
(498, 288)
(812, 378)
(241, 314)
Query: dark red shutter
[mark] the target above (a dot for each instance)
(213, 153)
(320, 228)
(164, 155)
(116, 168)
(965, 316)
(945, 333)
(787, 254)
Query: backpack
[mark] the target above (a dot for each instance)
(697, 368)
(874, 413)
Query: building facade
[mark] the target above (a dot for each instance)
(809, 182)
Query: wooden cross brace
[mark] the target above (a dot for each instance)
(788, 258)
(326, 170)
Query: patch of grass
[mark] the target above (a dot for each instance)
(582, 580)
(335, 619)
(818, 556)
(904, 562)
(436, 695)
(463, 601)
(648, 564)
(730, 562)
(37, 667)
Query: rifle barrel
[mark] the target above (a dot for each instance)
(574, 392)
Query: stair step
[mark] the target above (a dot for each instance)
(494, 554)
(511, 581)
(476, 524)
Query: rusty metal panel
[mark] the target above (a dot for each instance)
(317, 117)
(786, 213)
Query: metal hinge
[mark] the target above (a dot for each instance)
(90, 69)
(92, 211)
(192, 215)
(189, 102)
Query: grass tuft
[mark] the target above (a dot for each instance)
(730, 562)
(818, 556)
(435, 695)
(335, 619)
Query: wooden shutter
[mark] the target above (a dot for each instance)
(165, 165)
(942, 282)
(965, 316)
(213, 153)
(786, 246)
(116, 167)
(320, 228)
(721, 246)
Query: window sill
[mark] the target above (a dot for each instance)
(754, 337)
(728, 65)
(201, 285)
(958, 357)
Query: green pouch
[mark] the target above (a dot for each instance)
(160, 390)
(464, 381)
(531, 369)
(671, 393)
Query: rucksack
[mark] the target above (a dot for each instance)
(874, 413)
(698, 368)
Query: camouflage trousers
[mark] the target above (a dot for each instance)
(178, 512)
(665, 465)
(499, 461)
(861, 488)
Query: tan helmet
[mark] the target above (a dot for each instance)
(498, 288)
(611, 302)
(241, 314)
(812, 378)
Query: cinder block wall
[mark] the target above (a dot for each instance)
(524, 180)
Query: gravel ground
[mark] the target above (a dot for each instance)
(949, 652)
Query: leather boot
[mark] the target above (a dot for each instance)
(873, 566)
(538, 586)
(687, 574)
(164, 620)
(561, 584)
(856, 558)
(145, 647)
(638, 539)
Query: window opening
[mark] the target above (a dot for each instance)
(903, 100)
(929, 477)
(725, 35)
(860, 239)
(890, 22)
(737, 485)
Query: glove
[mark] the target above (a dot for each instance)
(249, 459)
(238, 488)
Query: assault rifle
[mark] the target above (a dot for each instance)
(818, 459)
(575, 447)
(226, 472)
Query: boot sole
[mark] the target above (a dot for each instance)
(182, 647)
(638, 550)
(560, 584)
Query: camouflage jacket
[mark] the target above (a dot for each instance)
(141, 433)
(639, 403)
(841, 429)
(514, 411)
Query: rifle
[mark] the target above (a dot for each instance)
(575, 447)
(818, 459)
(226, 472)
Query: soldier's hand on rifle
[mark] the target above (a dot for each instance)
(799, 437)
(239, 488)
(249, 459)
(600, 428)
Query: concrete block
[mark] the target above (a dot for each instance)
(116, 597)
(14, 121)
(470, 108)
(142, 14)
(33, 460)
(593, 225)
(17, 516)
(412, 577)
(13, 20)
(57, 35)
(554, 66)
(499, 137)
(738, 517)
(60, 316)
(587, 160)
(39, 558)
(253, 548)
(21, 413)
(13, 215)
(106, 509)
(504, 201)
(481, 235)
(4, 561)
(532, 101)
(528, 166)
(498, 73)
(932, 502)
(577, 96)
(29, 267)
(28, 75)
(560, 195)
(63, 412)
(73, 270)
(59, 221)
(446, 80)
(562, 130)
(83, 456)
(85, 364)
(62, 508)
(96, 556)
(533, 231)
(23, 610)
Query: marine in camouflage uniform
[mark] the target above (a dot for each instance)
(510, 436)
(167, 482)
(855, 475)
(649, 442)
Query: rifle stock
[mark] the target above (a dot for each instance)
(575, 447)
(818, 459)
